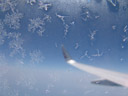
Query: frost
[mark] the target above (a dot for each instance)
(13, 20)
(40, 32)
(61, 18)
(121, 59)
(66, 26)
(76, 45)
(47, 18)
(126, 28)
(92, 34)
(96, 17)
(85, 55)
(66, 29)
(113, 2)
(31, 2)
(125, 38)
(98, 54)
(114, 27)
(13, 35)
(16, 44)
(44, 6)
(6, 5)
(87, 16)
(72, 23)
(122, 46)
(36, 56)
(38, 25)
(2, 33)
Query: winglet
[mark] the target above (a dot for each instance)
(65, 54)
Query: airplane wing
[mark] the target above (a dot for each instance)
(111, 78)
(105, 82)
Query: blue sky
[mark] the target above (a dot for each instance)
(93, 32)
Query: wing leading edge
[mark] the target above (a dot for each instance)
(110, 78)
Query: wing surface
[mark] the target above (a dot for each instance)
(111, 77)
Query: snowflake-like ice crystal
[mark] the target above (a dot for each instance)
(13, 20)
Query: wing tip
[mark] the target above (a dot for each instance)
(65, 54)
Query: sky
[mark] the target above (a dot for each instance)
(95, 32)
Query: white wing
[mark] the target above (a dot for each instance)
(112, 78)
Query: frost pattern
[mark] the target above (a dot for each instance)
(16, 44)
(66, 25)
(77, 45)
(31, 2)
(61, 18)
(125, 38)
(13, 20)
(38, 25)
(66, 30)
(2, 33)
(98, 54)
(6, 5)
(36, 57)
(85, 55)
(126, 28)
(44, 6)
(92, 35)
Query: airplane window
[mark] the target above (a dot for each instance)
(63, 47)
